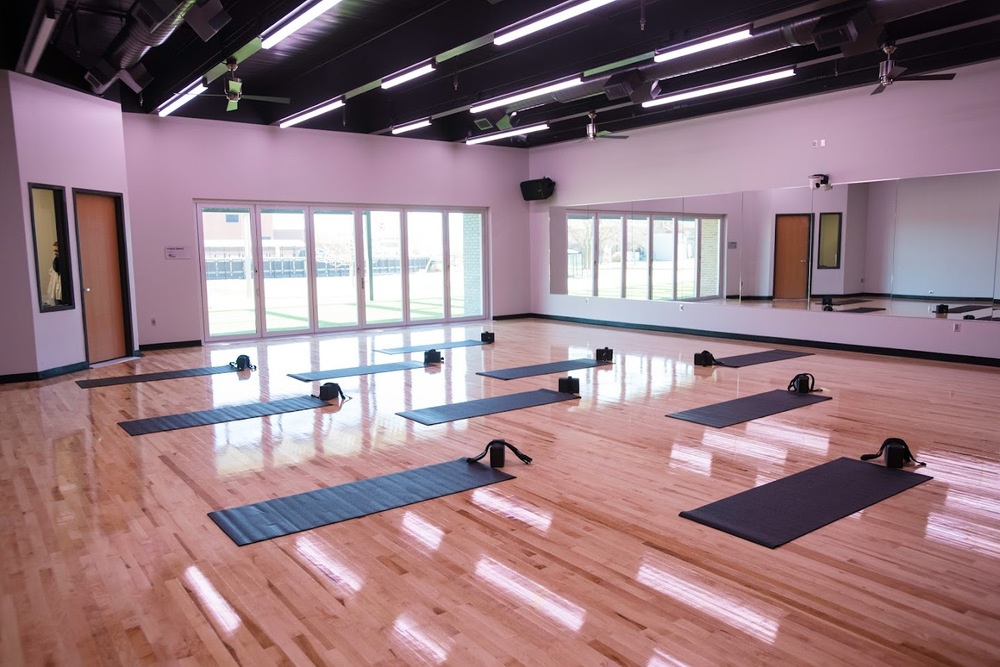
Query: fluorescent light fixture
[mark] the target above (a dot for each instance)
(503, 37)
(721, 88)
(182, 98)
(289, 24)
(504, 101)
(503, 135)
(397, 79)
(41, 40)
(415, 125)
(702, 46)
(311, 113)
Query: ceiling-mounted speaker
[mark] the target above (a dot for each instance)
(539, 188)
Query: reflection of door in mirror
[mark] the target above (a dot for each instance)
(791, 256)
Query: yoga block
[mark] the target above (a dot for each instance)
(329, 391)
(605, 354)
(487, 337)
(569, 385)
(432, 357)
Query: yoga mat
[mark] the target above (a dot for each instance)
(741, 360)
(967, 309)
(543, 369)
(486, 406)
(360, 370)
(780, 511)
(432, 346)
(844, 302)
(747, 408)
(860, 310)
(220, 415)
(312, 509)
(152, 377)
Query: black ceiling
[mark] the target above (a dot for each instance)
(832, 44)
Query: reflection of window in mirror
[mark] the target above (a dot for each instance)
(829, 240)
(48, 224)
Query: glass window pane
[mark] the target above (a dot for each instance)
(610, 266)
(425, 245)
(637, 258)
(229, 280)
(336, 275)
(465, 247)
(687, 262)
(383, 269)
(710, 250)
(286, 282)
(829, 240)
(580, 258)
(663, 258)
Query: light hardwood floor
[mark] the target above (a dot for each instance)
(108, 556)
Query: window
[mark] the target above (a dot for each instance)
(829, 241)
(52, 261)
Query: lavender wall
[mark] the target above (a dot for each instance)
(174, 161)
(909, 132)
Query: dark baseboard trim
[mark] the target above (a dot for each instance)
(43, 375)
(170, 346)
(866, 349)
(514, 317)
(756, 298)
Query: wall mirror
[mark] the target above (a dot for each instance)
(49, 231)
(898, 247)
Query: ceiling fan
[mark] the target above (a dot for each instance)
(889, 72)
(592, 132)
(233, 89)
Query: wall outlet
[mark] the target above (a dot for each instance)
(682, 306)
(956, 326)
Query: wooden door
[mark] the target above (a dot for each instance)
(791, 256)
(101, 276)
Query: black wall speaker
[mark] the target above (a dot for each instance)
(540, 188)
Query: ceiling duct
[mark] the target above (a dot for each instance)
(630, 85)
(149, 24)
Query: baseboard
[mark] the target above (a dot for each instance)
(170, 346)
(43, 375)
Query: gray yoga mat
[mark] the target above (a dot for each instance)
(322, 507)
(359, 370)
(753, 358)
(967, 309)
(543, 369)
(780, 511)
(748, 408)
(220, 415)
(432, 346)
(152, 377)
(486, 406)
(860, 310)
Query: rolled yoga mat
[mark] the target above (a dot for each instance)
(432, 346)
(783, 510)
(748, 408)
(152, 377)
(359, 370)
(544, 369)
(322, 507)
(753, 358)
(220, 415)
(486, 406)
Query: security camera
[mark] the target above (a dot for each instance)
(817, 181)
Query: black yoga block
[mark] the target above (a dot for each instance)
(432, 357)
(605, 354)
(487, 337)
(569, 385)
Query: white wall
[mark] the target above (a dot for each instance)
(910, 131)
(174, 161)
(72, 140)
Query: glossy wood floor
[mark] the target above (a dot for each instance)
(108, 557)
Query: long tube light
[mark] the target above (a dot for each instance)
(311, 113)
(721, 88)
(285, 29)
(395, 80)
(702, 46)
(502, 37)
(182, 98)
(510, 133)
(415, 125)
(41, 40)
(504, 101)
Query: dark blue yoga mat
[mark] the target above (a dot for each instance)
(544, 369)
(486, 406)
(360, 370)
(152, 377)
(312, 509)
(220, 415)
(432, 346)
(780, 511)
(748, 408)
(741, 360)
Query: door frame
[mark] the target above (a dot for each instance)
(123, 270)
(809, 254)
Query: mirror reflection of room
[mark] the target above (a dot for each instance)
(49, 224)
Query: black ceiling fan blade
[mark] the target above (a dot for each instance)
(927, 77)
(878, 89)
(896, 72)
(268, 98)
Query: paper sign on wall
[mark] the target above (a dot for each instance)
(177, 252)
